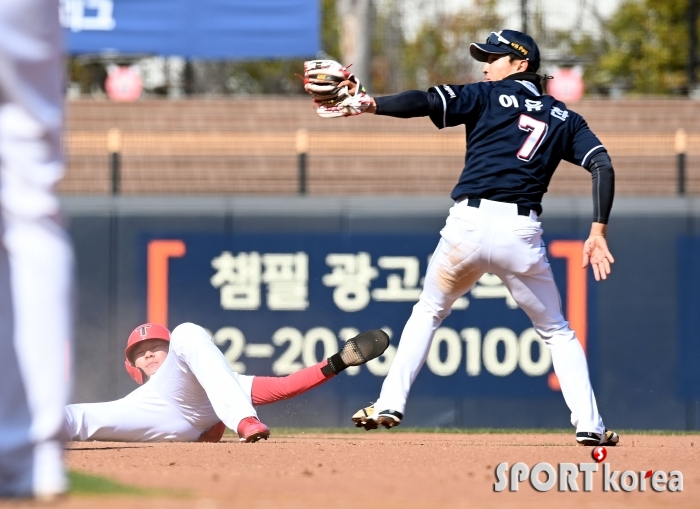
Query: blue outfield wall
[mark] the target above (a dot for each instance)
(281, 282)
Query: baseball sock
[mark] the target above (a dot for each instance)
(268, 389)
(335, 365)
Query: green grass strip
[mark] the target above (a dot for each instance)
(82, 484)
(89, 484)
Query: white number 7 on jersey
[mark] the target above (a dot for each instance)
(537, 130)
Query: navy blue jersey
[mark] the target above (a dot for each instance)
(516, 138)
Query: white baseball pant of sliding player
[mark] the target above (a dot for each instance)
(35, 254)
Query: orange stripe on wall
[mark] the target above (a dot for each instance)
(159, 253)
(576, 292)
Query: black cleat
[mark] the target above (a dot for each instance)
(369, 418)
(364, 347)
(358, 350)
(588, 438)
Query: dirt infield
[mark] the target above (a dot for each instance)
(378, 470)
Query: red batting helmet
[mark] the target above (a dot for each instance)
(142, 333)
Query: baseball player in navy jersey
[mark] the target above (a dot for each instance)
(188, 392)
(516, 138)
(35, 253)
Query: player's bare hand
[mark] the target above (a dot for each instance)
(352, 89)
(352, 86)
(596, 252)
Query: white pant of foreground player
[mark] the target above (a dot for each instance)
(35, 254)
(493, 238)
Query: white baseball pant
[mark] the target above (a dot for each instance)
(35, 253)
(493, 238)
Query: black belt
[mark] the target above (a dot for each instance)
(476, 203)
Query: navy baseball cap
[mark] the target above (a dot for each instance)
(508, 42)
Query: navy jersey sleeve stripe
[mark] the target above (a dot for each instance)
(583, 161)
(460, 104)
(444, 107)
(583, 143)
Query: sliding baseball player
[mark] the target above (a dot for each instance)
(190, 394)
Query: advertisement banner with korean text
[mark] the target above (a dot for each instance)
(275, 303)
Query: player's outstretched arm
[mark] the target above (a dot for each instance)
(338, 93)
(596, 252)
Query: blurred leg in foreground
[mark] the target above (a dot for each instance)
(35, 254)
